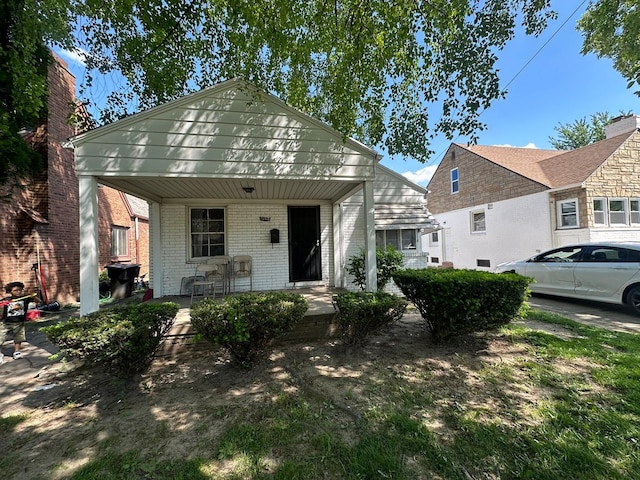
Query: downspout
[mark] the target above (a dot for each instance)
(135, 219)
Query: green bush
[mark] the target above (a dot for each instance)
(245, 324)
(388, 261)
(363, 313)
(123, 338)
(454, 302)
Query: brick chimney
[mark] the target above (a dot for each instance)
(622, 124)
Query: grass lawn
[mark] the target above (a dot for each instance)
(520, 403)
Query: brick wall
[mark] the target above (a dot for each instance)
(113, 211)
(53, 196)
(246, 235)
(618, 177)
(480, 182)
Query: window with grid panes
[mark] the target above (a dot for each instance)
(207, 232)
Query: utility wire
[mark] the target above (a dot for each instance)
(528, 62)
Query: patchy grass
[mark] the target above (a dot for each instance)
(514, 404)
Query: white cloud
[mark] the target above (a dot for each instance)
(422, 176)
(528, 145)
(76, 56)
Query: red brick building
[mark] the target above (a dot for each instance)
(40, 223)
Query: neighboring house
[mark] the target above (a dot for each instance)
(497, 204)
(124, 220)
(232, 170)
(401, 219)
(41, 219)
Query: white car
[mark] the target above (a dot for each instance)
(604, 272)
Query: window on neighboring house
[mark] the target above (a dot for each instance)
(434, 238)
(435, 259)
(635, 210)
(206, 232)
(119, 241)
(483, 262)
(618, 211)
(568, 213)
(599, 211)
(455, 181)
(478, 222)
(400, 239)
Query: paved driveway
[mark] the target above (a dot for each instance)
(614, 317)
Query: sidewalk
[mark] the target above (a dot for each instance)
(35, 370)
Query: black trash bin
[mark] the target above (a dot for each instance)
(122, 276)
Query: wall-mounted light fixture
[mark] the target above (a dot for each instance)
(248, 189)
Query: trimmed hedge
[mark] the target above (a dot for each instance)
(244, 324)
(123, 338)
(454, 301)
(361, 314)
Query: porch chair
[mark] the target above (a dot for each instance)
(208, 278)
(242, 268)
(223, 262)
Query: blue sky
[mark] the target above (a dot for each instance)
(546, 87)
(558, 86)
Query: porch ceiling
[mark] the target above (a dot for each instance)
(162, 188)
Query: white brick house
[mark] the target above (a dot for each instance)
(498, 204)
(223, 168)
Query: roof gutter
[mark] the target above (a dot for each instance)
(567, 187)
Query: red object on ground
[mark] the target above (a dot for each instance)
(148, 295)
(33, 314)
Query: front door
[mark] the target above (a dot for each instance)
(304, 244)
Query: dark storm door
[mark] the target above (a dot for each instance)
(304, 244)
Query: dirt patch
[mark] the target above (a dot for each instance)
(192, 394)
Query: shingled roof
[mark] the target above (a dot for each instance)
(552, 168)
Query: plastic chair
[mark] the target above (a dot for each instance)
(242, 268)
(208, 277)
(223, 263)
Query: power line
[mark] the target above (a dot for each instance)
(528, 61)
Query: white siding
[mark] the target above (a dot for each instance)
(392, 188)
(513, 232)
(222, 133)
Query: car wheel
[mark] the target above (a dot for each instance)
(633, 299)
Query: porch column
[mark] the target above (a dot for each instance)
(370, 237)
(155, 254)
(89, 269)
(338, 268)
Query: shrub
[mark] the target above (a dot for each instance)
(123, 339)
(363, 313)
(245, 324)
(454, 302)
(388, 261)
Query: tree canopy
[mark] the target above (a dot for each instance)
(391, 74)
(24, 37)
(611, 28)
(581, 132)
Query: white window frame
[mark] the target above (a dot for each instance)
(434, 241)
(562, 215)
(119, 241)
(621, 217)
(191, 235)
(634, 215)
(478, 226)
(600, 217)
(455, 183)
(381, 238)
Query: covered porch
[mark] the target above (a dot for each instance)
(221, 170)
